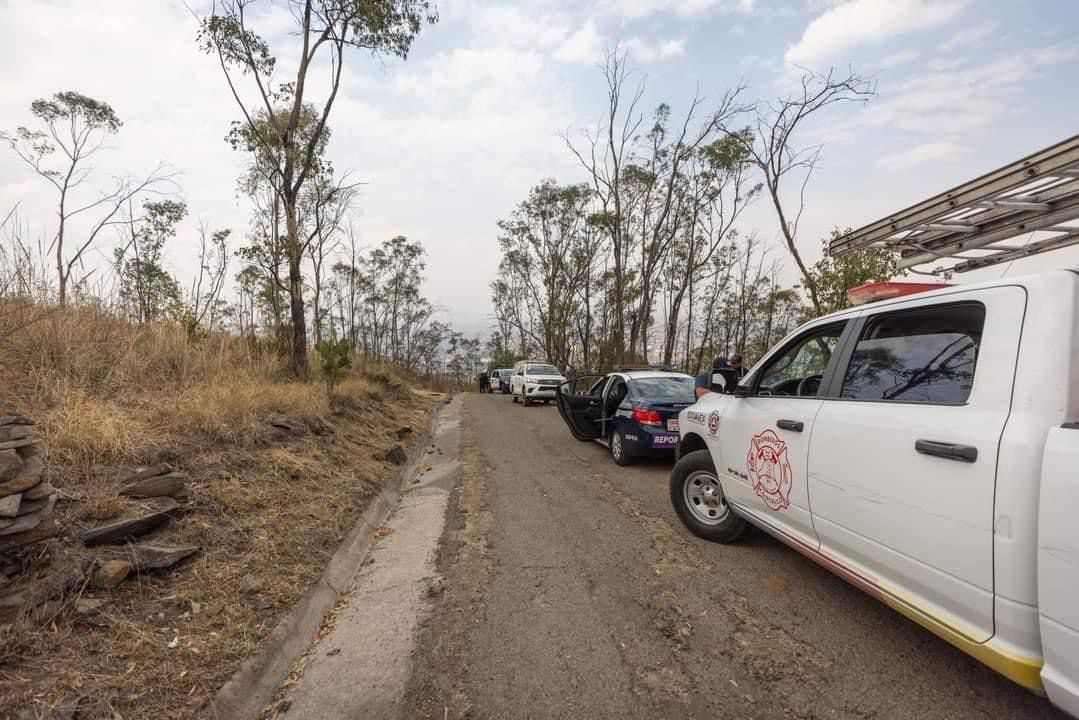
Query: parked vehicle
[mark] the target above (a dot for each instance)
(504, 375)
(633, 413)
(534, 381)
(926, 449)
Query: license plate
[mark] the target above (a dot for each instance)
(672, 425)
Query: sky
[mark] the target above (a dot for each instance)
(451, 139)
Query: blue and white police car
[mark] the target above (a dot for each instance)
(632, 412)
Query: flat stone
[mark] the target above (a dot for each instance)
(28, 476)
(395, 455)
(148, 472)
(30, 520)
(47, 528)
(15, 420)
(21, 442)
(32, 506)
(39, 491)
(16, 432)
(10, 464)
(110, 573)
(155, 513)
(145, 557)
(157, 486)
(9, 506)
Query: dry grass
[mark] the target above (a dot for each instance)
(265, 504)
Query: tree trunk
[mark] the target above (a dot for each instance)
(295, 291)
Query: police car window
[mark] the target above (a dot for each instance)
(799, 369)
(917, 356)
(675, 388)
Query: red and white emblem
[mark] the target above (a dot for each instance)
(770, 470)
(713, 422)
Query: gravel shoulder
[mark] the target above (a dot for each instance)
(572, 590)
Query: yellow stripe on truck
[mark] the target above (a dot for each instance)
(1025, 671)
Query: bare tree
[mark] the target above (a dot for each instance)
(773, 149)
(326, 29)
(205, 296)
(77, 126)
(604, 155)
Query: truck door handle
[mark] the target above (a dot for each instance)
(792, 425)
(948, 451)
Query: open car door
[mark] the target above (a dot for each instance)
(580, 403)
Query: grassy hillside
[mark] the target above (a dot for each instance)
(278, 474)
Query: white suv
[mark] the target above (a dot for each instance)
(535, 381)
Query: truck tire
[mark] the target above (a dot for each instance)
(619, 453)
(698, 499)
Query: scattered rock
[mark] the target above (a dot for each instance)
(28, 476)
(89, 606)
(251, 585)
(148, 472)
(157, 513)
(9, 506)
(110, 573)
(404, 432)
(436, 585)
(15, 420)
(40, 491)
(395, 455)
(169, 484)
(263, 605)
(335, 651)
(196, 608)
(16, 432)
(29, 521)
(10, 464)
(152, 557)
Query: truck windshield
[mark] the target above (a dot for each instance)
(541, 370)
(668, 389)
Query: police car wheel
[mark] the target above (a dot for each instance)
(619, 453)
(697, 496)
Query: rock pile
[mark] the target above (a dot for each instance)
(26, 500)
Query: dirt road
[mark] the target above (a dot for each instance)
(572, 591)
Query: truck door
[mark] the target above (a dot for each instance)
(902, 466)
(764, 436)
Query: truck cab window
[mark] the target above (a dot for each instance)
(923, 356)
(799, 368)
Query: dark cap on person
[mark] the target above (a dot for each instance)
(719, 363)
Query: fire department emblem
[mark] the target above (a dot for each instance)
(713, 422)
(770, 470)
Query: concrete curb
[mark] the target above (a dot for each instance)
(253, 686)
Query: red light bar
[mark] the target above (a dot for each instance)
(874, 291)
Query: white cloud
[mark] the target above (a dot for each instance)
(863, 22)
(900, 58)
(960, 100)
(583, 46)
(922, 154)
(644, 51)
(970, 35)
(636, 9)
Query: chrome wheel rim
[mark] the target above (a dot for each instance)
(704, 498)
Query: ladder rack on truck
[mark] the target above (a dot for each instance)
(971, 224)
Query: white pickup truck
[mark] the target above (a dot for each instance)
(925, 449)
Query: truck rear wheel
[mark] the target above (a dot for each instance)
(697, 496)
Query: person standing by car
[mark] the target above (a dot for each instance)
(485, 383)
(722, 367)
(736, 363)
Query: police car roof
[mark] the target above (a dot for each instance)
(641, 374)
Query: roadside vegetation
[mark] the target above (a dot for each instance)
(646, 257)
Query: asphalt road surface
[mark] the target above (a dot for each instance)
(573, 591)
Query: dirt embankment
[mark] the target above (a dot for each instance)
(276, 475)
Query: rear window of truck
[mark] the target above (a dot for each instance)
(926, 355)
